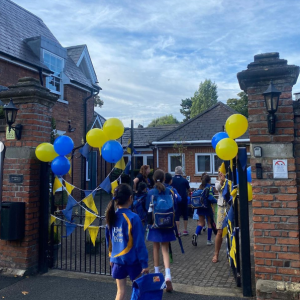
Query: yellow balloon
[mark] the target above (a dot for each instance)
(227, 149)
(45, 152)
(236, 125)
(96, 138)
(113, 128)
(250, 194)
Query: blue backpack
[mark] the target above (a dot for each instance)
(163, 209)
(139, 206)
(148, 287)
(199, 198)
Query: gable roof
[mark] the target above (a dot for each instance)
(75, 52)
(21, 32)
(143, 137)
(202, 127)
(97, 122)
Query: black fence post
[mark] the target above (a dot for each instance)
(244, 221)
(44, 217)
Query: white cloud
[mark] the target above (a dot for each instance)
(150, 54)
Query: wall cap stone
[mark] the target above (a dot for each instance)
(29, 90)
(269, 286)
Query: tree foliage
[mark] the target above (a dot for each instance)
(239, 104)
(186, 105)
(205, 97)
(165, 120)
(97, 101)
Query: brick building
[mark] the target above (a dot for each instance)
(29, 49)
(189, 144)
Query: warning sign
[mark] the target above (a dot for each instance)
(280, 169)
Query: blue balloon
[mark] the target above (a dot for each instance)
(249, 178)
(112, 151)
(60, 165)
(63, 145)
(217, 138)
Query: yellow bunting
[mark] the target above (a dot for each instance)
(230, 225)
(90, 203)
(233, 194)
(114, 185)
(89, 219)
(128, 149)
(225, 231)
(233, 250)
(52, 219)
(93, 231)
(57, 184)
(100, 153)
(69, 187)
(120, 164)
(223, 169)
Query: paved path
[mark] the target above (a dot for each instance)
(62, 288)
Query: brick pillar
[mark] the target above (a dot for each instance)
(275, 201)
(35, 111)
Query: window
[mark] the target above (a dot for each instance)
(55, 64)
(174, 160)
(140, 160)
(150, 161)
(207, 162)
(203, 163)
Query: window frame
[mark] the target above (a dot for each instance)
(144, 158)
(197, 172)
(169, 162)
(61, 74)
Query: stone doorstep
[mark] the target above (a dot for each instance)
(12, 272)
(269, 287)
(180, 288)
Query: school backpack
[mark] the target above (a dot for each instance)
(148, 287)
(199, 198)
(163, 209)
(139, 206)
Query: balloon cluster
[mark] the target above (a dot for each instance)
(105, 140)
(56, 154)
(224, 143)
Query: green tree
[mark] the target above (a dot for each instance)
(97, 101)
(186, 105)
(165, 120)
(205, 97)
(240, 105)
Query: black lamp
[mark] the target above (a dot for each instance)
(10, 113)
(271, 95)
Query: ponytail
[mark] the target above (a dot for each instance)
(159, 178)
(110, 213)
(121, 196)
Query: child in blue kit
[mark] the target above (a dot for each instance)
(125, 239)
(161, 236)
(205, 212)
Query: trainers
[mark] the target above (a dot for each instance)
(209, 243)
(194, 240)
(185, 233)
(204, 229)
(169, 285)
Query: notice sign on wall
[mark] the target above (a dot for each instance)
(280, 169)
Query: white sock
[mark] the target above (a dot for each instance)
(156, 269)
(168, 274)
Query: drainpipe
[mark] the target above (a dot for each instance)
(41, 77)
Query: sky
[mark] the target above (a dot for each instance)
(150, 54)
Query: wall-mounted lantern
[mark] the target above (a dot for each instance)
(10, 113)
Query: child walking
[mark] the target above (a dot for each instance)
(125, 240)
(161, 237)
(205, 212)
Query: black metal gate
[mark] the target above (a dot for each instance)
(76, 252)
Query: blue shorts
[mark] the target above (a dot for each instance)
(122, 271)
(203, 212)
(182, 210)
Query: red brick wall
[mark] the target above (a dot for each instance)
(36, 120)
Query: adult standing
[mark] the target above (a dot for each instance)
(142, 177)
(221, 215)
(183, 187)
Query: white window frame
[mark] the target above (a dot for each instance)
(144, 157)
(61, 75)
(211, 163)
(169, 162)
